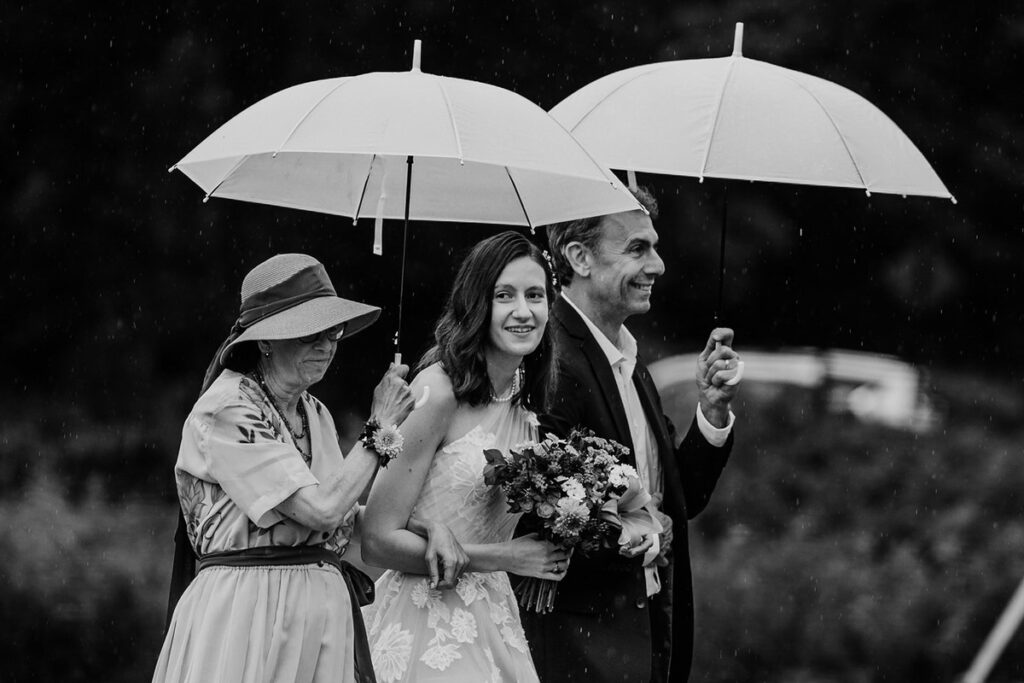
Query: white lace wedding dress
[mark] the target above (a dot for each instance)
(471, 633)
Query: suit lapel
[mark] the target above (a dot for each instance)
(649, 399)
(573, 324)
(652, 407)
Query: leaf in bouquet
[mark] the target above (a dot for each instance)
(495, 468)
(495, 457)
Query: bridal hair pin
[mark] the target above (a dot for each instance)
(551, 267)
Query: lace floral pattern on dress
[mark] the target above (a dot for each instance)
(452, 625)
(472, 632)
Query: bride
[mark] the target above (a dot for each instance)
(486, 372)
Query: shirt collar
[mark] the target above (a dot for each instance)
(623, 350)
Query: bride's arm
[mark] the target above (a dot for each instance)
(391, 538)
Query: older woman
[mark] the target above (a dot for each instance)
(268, 497)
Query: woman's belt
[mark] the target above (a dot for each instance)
(360, 587)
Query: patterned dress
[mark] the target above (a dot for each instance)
(236, 463)
(471, 633)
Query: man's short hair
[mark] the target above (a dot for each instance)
(586, 231)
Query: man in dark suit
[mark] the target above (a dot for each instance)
(627, 614)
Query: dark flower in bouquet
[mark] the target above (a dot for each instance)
(576, 491)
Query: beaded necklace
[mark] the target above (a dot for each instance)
(297, 437)
(513, 388)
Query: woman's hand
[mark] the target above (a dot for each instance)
(392, 399)
(446, 560)
(530, 556)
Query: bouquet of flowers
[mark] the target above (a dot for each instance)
(577, 490)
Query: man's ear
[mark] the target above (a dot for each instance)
(579, 258)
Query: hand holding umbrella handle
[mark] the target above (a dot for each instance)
(425, 396)
(739, 370)
(735, 380)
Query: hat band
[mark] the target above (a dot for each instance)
(305, 285)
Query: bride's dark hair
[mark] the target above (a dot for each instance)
(462, 332)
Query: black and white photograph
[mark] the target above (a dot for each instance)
(533, 342)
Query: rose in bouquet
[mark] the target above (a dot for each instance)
(576, 491)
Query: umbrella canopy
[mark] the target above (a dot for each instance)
(744, 119)
(342, 146)
(348, 146)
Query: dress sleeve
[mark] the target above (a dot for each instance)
(245, 458)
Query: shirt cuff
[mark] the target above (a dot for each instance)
(715, 436)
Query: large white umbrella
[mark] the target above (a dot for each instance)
(744, 119)
(405, 145)
(343, 146)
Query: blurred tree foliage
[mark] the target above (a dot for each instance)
(826, 551)
(836, 551)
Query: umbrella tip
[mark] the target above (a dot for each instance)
(172, 169)
(417, 48)
(952, 199)
(737, 43)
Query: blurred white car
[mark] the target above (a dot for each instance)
(874, 387)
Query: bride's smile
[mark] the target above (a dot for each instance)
(519, 309)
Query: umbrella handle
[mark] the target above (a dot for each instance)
(739, 369)
(739, 375)
(425, 396)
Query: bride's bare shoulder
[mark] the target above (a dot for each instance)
(448, 413)
(442, 396)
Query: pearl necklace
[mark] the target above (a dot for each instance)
(512, 390)
(297, 437)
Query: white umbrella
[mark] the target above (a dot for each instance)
(357, 146)
(482, 154)
(744, 119)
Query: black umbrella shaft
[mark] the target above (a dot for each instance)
(405, 236)
(721, 253)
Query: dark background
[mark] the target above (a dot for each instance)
(120, 283)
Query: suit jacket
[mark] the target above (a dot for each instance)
(604, 628)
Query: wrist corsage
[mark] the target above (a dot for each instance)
(386, 442)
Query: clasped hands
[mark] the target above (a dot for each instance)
(446, 559)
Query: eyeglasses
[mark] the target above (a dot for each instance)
(333, 334)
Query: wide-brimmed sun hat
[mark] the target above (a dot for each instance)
(286, 297)
(291, 295)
